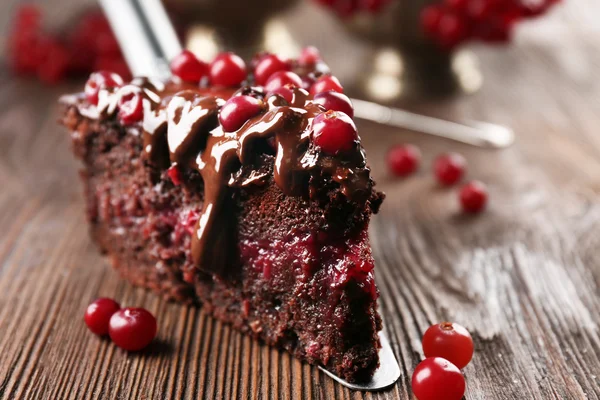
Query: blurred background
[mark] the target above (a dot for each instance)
(385, 50)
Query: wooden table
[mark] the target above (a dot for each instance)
(523, 277)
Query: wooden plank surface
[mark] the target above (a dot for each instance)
(523, 277)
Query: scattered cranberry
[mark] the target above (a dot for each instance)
(97, 315)
(132, 329)
(237, 110)
(403, 160)
(188, 68)
(131, 108)
(175, 174)
(438, 379)
(100, 80)
(334, 132)
(267, 66)
(227, 69)
(282, 78)
(54, 63)
(449, 168)
(449, 341)
(326, 83)
(473, 197)
(310, 55)
(335, 101)
(430, 19)
(287, 92)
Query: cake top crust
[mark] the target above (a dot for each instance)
(222, 132)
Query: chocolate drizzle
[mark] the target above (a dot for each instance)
(184, 121)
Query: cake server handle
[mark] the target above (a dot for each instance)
(481, 134)
(148, 41)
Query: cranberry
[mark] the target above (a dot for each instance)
(175, 174)
(449, 341)
(132, 329)
(473, 197)
(436, 378)
(452, 30)
(237, 110)
(267, 66)
(326, 83)
(334, 132)
(227, 69)
(131, 108)
(53, 65)
(458, 5)
(310, 55)
(100, 80)
(188, 68)
(403, 160)
(335, 101)
(97, 315)
(282, 78)
(449, 168)
(430, 19)
(286, 92)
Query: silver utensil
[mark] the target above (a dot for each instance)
(139, 26)
(482, 134)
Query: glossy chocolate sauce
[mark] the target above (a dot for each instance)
(181, 128)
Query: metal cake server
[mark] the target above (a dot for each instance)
(149, 42)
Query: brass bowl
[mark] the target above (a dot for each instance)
(407, 64)
(236, 25)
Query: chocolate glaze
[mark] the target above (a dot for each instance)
(181, 125)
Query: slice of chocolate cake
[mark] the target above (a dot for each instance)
(252, 198)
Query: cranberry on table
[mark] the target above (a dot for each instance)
(326, 83)
(282, 78)
(188, 68)
(449, 168)
(473, 197)
(175, 174)
(227, 69)
(438, 379)
(430, 19)
(98, 314)
(131, 108)
(132, 329)
(310, 55)
(237, 110)
(267, 66)
(335, 101)
(449, 341)
(403, 160)
(334, 132)
(100, 80)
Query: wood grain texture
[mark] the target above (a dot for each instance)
(523, 277)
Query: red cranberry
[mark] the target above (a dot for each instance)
(131, 108)
(310, 55)
(452, 30)
(458, 5)
(100, 80)
(287, 92)
(53, 66)
(326, 83)
(473, 197)
(175, 174)
(227, 69)
(97, 315)
(449, 341)
(282, 78)
(449, 168)
(237, 110)
(267, 66)
(132, 329)
(436, 378)
(334, 132)
(335, 101)
(115, 65)
(188, 68)
(403, 160)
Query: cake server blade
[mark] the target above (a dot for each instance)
(148, 41)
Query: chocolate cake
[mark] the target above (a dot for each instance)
(264, 224)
